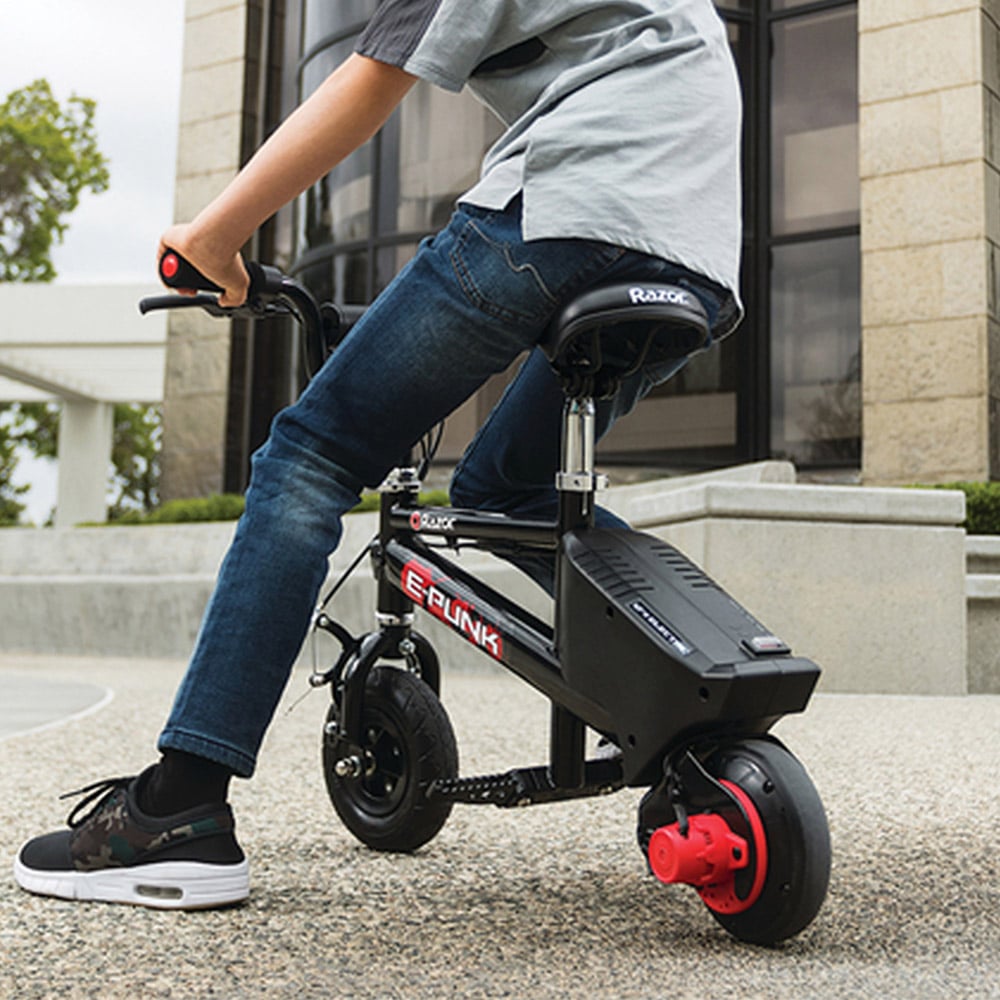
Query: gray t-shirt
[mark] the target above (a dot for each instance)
(622, 116)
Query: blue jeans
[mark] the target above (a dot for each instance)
(471, 301)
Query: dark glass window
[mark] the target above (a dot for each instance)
(787, 383)
(336, 210)
(814, 123)
(815, 351)
(323, 20)
(441, 139)
(814, 247)
(796, 356)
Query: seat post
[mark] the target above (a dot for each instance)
(578, 439)
(576, 481)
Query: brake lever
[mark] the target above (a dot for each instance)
(251, 309)
(270, 293)
(201, 301)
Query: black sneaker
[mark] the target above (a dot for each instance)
(118, 854)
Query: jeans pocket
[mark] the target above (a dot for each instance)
(498, 278)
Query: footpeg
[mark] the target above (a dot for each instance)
(525, 786)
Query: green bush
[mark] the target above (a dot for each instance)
(229, 506)
(982, 506)
(217, 507)
(429, 498)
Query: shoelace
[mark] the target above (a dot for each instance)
(95, 795)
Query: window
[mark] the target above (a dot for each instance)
(788, 382)
(798, 351)
(814, 312)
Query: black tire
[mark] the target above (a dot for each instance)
(797, 838)
(408, 742)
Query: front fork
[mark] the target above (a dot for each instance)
(393, 640)
(576, 483)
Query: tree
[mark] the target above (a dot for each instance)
(23, 426)
(10, 504)
(48, 157)
(135, 453)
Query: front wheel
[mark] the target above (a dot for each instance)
(794, 850)
(407, 743)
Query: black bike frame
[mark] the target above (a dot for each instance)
(412, 573)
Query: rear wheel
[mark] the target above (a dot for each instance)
(791, 869)
(407, 743)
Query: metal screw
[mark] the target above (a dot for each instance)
(348, 767)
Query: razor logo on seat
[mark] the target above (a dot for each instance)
(670, 296)
(418, 583)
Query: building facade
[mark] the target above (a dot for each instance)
(871, 217)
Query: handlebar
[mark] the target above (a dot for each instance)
(176, 272)
(271, 293)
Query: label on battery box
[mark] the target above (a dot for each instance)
(661, 628)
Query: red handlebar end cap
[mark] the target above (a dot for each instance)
(170, 265)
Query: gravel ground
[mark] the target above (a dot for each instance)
(545, 902)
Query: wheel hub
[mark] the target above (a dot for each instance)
(707, 854)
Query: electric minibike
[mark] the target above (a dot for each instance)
(681, 683)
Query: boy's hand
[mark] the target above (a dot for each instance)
(225, 270)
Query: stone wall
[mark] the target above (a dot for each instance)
(209, 150)
(869, 583)
(930, 191)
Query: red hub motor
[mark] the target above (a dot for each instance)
(709, 855)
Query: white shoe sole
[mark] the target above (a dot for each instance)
(167, 885)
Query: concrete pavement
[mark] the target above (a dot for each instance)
(31, 702)
(545, 902)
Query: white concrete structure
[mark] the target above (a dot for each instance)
(86, 347)
(982, 592)
(869, 583)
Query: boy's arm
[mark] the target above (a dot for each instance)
(344, 113)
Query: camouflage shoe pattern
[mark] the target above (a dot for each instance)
(116, 853)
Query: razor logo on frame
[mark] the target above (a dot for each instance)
(418, 583)
(425, 521)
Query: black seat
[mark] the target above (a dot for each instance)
(609, 332)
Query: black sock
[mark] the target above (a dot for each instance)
(183, 781)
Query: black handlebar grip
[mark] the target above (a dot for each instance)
(176, 272)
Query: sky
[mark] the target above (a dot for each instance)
(126, 55)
